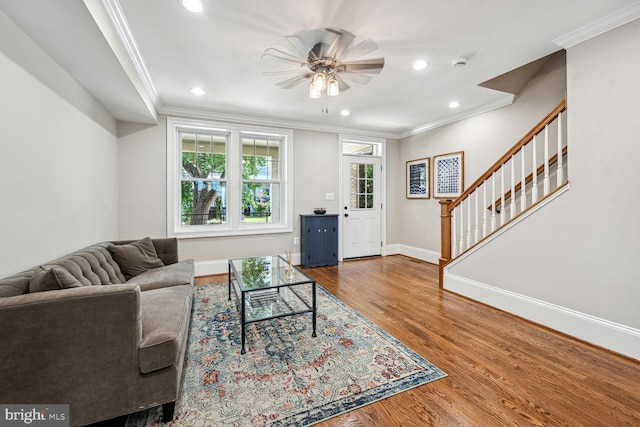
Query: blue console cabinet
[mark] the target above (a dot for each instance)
(318, 240)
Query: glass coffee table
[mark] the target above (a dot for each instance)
(269, 288)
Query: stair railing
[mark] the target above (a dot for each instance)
(518, 178)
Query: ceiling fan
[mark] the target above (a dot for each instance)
(325, 56)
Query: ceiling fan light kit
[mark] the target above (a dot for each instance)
(314, 92)
(333, 89)
(324, 56)
(319, 81)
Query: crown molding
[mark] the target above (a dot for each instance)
(485, 108)
(121, 26)
(119, 23)
(608, 23)
(264, 121)
(116, 15)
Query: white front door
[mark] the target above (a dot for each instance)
(362, 208)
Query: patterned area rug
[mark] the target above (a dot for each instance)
(286, 378)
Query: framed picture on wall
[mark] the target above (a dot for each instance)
(418, 174)
(448, 175)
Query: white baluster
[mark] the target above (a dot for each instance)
(534, 185)
(469, 222)
(503, 207)
(512, 207)
(493, 202)
(454, 242)
(523, 183)
(484, 210)
(476, 233)
(560, 171)
(546, 184)
(461, 226)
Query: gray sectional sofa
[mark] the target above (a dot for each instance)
(103, 329)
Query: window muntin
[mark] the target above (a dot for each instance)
(203, 192)
(260, 179)
(227, 179)
(361, 186)
(261, 157)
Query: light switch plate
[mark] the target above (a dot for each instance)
(330, 196)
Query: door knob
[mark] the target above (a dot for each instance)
(346, 214)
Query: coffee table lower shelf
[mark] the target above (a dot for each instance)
(281, 301)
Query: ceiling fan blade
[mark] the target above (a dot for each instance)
(293, 81)
(342, 85)
(373, 65)
(341, 41)
(356, 77)
(282, 55)
(282, 72)
(361, 49)
(298, 45)
(310, 43)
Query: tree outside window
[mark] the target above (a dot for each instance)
(204, 164)
(227, 179)
(260, 178)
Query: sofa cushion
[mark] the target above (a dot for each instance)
(17, 284)
(51, 278)
(165, 315)
(170, 275)
(136, 257)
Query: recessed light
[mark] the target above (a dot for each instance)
(345, 113)
(420, 64)
(197, 91)
(454, 104)
(195, 6)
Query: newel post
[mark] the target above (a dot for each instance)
(445, 238)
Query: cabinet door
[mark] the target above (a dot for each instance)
(319, 240)
(310, 241)
(330, 240)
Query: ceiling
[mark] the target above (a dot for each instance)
(141, 57)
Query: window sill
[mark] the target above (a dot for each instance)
(201, 234)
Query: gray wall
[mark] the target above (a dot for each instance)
(579, 252)
(61, 166)
(142, 160)
(58, 159)
(483, 139)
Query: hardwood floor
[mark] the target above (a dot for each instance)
(503, 370)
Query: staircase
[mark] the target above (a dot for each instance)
(526, 175)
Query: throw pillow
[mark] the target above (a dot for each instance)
(51, 278)
(136, 257)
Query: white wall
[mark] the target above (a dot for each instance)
(572, 265)
(59, 181)
(483, 139)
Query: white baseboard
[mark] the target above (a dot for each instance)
(413, 252)
(613, 336)
(221, 266)
(208, 268)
